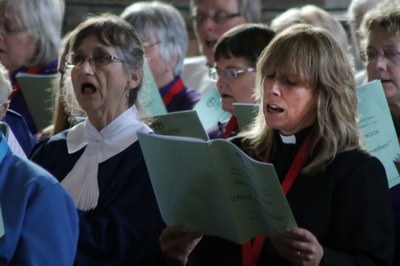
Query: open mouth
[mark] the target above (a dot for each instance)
(210, 43)
(274, 108)
(88, 89)
(224, 95)
(385, 80)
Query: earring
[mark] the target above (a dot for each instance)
(127, 95)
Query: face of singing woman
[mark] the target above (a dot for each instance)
(101, 90)
(289, 104)
(236, 81)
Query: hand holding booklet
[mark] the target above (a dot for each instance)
(214, 188)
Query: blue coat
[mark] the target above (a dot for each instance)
(40, 219)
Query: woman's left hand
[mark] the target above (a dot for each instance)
(299, 246)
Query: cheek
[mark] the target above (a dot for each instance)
(371, 73)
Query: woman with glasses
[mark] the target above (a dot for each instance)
(162, 30)
(380, 31)
(235, 57)
(30, 36)
(99, 161)
(211, 19)
(307, 128)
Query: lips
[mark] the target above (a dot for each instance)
(224, 95)
(272, 108)
(210, 43)
(88, 89)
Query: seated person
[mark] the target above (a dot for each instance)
(380, 31)
(164, 36)
(307, 128)
(235, 56)
(39, 218)
(19, 137)
(30, 41)
(99, 161)
(211, 19)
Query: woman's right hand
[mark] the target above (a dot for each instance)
(177, 244)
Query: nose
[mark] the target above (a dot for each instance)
(272, 88)
(220, 82)
(208, 23)
(85, 66)
(380, 62)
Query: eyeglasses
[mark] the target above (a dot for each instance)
(229, 73)
(75, 60)
(10, 30)
(217, 18)
(147, 46)
(391, 54)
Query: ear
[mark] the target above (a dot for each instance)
(134, 79)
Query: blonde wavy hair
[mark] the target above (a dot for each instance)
(312, 54)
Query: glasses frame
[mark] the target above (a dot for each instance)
(91, 60)
(390, 54)
(6, 29)
(228, 73)
(147, 46)
(217, 18)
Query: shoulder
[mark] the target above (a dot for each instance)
(358, 167)
(27, 174)
(355, 158)
(15, 120)
(48, 146)
(191, 96)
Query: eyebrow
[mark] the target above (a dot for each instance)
(93, 51)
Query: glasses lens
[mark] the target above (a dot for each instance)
(74, 59)
(229, 74)
(101, 59)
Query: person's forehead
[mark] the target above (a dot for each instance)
(217, 3)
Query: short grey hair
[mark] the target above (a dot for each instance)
(113, 31)
(250, 9)
(163, 22)
(5, 85)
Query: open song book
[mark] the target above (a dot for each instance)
(214, 188)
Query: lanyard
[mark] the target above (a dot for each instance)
(174, 90)
(251, 250)
(230, 127)
(16, 88)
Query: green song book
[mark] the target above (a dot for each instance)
(39, 95)
(183, 123)
(214, 188)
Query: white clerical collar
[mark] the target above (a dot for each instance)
(288, 139)
(81, 182)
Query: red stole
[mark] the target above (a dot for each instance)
(176, 88)
(251, 250)
(230, 127)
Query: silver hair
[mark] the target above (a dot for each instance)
(43, 19)
(164, 23)
(5, 85)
